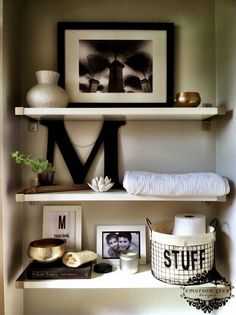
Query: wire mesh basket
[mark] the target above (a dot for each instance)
(178, 259)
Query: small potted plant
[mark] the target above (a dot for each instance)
(41, 167)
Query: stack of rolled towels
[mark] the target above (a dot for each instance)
(186, 184)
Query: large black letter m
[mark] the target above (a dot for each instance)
(108, 135)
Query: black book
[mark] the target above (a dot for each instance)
(57, 270)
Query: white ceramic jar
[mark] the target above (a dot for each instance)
(47, 93)
(129, 262)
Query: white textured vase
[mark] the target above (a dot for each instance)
(47, 93)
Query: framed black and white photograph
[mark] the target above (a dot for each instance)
(64, 222)
(116, 64)
(112, 240)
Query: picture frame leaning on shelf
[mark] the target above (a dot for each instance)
(106, 251)
(64, 222)
(110, 64)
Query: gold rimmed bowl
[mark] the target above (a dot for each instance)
(187, 99)
(46, 250)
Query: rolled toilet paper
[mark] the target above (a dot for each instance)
(189, 224)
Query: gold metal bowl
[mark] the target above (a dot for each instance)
(46, 250)
(187, 99)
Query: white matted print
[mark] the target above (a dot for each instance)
(113, 239)
(116, 64)
(64, 222)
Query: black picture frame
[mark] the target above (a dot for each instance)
(116, 64)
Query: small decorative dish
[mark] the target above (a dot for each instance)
(187, 99)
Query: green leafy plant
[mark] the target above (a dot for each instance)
(38, 165)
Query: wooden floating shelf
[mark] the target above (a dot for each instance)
(113, 195)
(170, 113)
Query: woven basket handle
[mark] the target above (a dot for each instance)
(214, 223)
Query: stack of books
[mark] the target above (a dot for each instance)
(56, 270)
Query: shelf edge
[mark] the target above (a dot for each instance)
(109, 196)
(114, 280)
(152, 113)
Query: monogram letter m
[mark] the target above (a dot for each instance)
(108, 135)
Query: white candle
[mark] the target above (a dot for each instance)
(129, 262)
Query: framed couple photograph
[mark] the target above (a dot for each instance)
(64, 222)
(113, 239)
(116, 64)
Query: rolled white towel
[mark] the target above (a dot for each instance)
(187, 184)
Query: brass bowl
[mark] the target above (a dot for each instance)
(187, 99)
(46, 250)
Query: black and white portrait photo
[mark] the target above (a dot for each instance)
(116, 242)
(113, 239)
